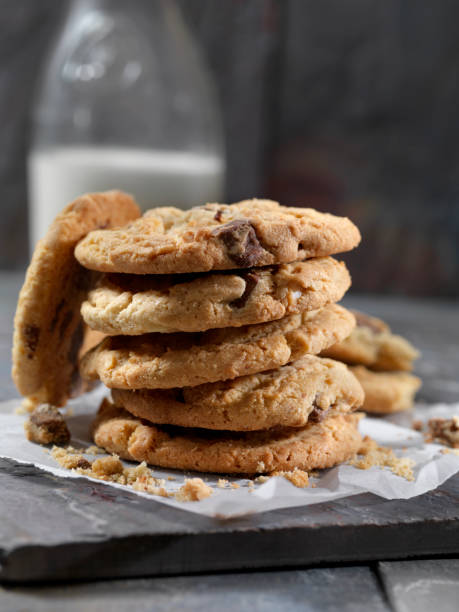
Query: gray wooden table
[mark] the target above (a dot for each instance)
(365, 585)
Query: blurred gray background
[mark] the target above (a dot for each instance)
(350, 107)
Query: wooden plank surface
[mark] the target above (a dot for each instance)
(355, 588)
(422, 586)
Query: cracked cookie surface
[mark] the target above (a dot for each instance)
(133, 304)
(316, 446)
(48, 329)
(162, 361)
(289, 396)
(217, 237)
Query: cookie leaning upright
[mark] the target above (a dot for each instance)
(217, 237)
(48, 329)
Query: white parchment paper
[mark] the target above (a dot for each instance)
(432, 467)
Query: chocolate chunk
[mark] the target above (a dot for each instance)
(32, 335)
(218, 215)
(364, 320)
(317, 414)
(251, 281)
(241, 242)
(444, 431)
(46, 425)
(82, 463)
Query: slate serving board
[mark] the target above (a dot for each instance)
(56, 529)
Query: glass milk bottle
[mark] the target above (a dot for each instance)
(125, 103)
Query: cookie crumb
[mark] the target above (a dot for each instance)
(444, 431)
(261, 467)
(297, 477)
(28, 405)
(194, 489)
(110, 469)
(261, 479)
(148, 485)
(46, 425)
(450, 451)
(171, 478)
(69, 460)
(221, 483)
(417, 425)
(72, 449)
(373, 455)
(108, 466)
(235, 485)
(94, 450)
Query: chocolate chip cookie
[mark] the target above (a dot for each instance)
(386, 392)
(133, 304)
(289, 396)
(372, 344)
(315, 446)
(48, 329)
(217, 237)
(163, 361)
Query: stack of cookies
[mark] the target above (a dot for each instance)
(382, 362)
(211, 319)
(214, 317)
